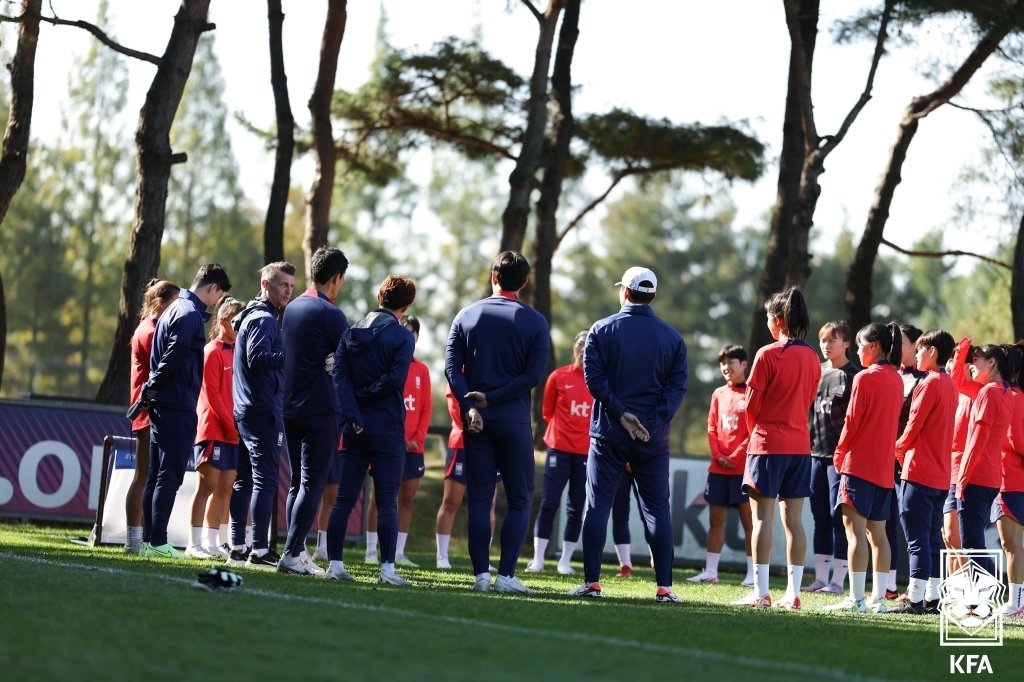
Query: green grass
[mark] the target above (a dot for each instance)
(74, 612)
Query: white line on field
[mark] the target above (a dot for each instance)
(801, 669)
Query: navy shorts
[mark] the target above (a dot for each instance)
(334, 469)
(414, 466)
(867, 499)
(455, 466)
(949, 506)
(723, 490)
(784, 476)
(222, 456)
(1012, 505)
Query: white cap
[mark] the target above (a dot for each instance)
(639, 279)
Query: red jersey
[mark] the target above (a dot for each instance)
(727, 429)
(142, 344)
(215, 407)
(968, 389)
(923, 449)
(987, 431)
(780, 390)
(867, 444)
(418, 403)
(566, 408)
(455, 412)
(1013, 448)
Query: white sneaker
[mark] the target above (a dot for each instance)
(293, 564)
(371, 558)
(532, 567)
(197, 552)
(831, 588)
(878, 606)
(816, 586)
(443, 564)
(848, 605)
(704, 578)
(491, 568)
(341, 575)
(748, 581)
(565, 569)
(509, 584)
(320, 554)
(393, 579)
(217, 552)
(482, 584)
(310, 564)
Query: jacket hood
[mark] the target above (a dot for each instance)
(366, 330)
(255, 305)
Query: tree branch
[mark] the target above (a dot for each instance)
(100, 35)
(940, 254)
(537, 14)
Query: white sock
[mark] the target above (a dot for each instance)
(933, 589)
(442, 545)
(321, 539)
(248, 536)
(400, 544)
(857, 581)
(794, 576)
(821, 566)
(211, 536)
(387, 568)
(915, 589)
(879, 585)
(540, 546)
(761, 579)
(371, 542)
(262, 552)
(337, 566)
(750, 567)
(890, 581)
(1016, 596)
(567, 549)
(197, 536)
(711, 563)
(225, 530)
(839, 568)
(622, 551)
(134, 536)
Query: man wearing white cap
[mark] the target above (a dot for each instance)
(635, 367)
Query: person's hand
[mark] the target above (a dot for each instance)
(412, 446)
(634, 428)
(725, 463)
(479, 399)
(357, 428)
(474, 422)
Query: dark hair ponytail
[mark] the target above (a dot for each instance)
(881, 334)
(1013, 363)
(895, 354)
(790, 305)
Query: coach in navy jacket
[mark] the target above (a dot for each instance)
(635, 367)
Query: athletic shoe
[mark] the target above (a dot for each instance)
(831, 588)
(625, 572)
(144, 548)
(166, 551)
(931, 606)
(129, 549)
(789, 604)
(816, 586)
(225, 548)
(909, 607)
(703, 578)
(748, 581)
(879, 607)
(754, 601)
(891, 594)
(747, 600)
(848, 605)
(404, 562)
(267, 561)
(293, 565)
(198, 552)
(238, 557)
(310, 564)
(392, 579)
(491, 568)
(1019, 613)
(218, 552)
(566, 570)
(509, 584)
(667, 596)
(443, 564)
(371, 558)
(586, 589)
(341, 575)
(533, 567)
(482, 584)
(320, 554)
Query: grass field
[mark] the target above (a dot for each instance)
(75, 612)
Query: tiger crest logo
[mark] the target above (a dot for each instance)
(972, 598)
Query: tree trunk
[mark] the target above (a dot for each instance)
(521, 181)
(318, 202)
(153, 170)
(16, 138)
(273, 226)
(1017, 284)
(551, 186)
(858, 277)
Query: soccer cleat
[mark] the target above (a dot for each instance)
(816, 586)
(565, 570)
(320, 554)
(747, 600)
(790, 604)
(748, 581)
(198, 552)
(909, 607)
(371, 558)
(1019, 613)
(267, 561)
(404, 562)
(586, 589)
(392, 579)
(891, 594)
(340, 575)
(509, 584)
(131, 549)
(225, 548)
(831, 588)
(166, 551)
(703, 578)
(667, 596)
(931, 606)
(482, 584)
(625, 572)
(878, 607)
(218, 552)
(310, 564)
(443, 564)
(238, 557)
(848, 605)
(293, 565)
(534, 567)
(217, 579)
